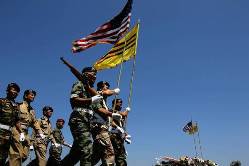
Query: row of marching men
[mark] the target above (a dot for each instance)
(97, 131)
(15, 121)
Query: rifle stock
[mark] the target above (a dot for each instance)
(75, 72)
(79, 76)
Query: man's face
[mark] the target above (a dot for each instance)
(91, 77)
(60, 124)
(12, 93)
(49, 113)
(30, 97)
(118, 106)
(105, 87)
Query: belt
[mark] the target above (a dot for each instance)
(5, 127)
(100, 126)
(84, 110)
(56, 144)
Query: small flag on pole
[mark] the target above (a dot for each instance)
(122, 51)
(190, 128)
(109, 32)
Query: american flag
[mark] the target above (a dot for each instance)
(187, 127)
(109, 32)
(190, 128)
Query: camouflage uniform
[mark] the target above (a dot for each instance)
(119, 149)
(55, 152)
(79, 123)
(102, 146)
(40, 145)
(19, 151)
(117, 140)
(8, 117)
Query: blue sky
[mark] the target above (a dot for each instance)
(192, 62)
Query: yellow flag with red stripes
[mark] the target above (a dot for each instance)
(122, 51)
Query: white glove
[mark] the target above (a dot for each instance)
(22, 137)
(110, 128)
(31, 147)
(128, 109)
(116, 116)
(128, 136)
(116, 91)
(96, 99)
(120, 129)
(128, 141)
(42, 135)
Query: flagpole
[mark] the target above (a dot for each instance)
(119, 75)
(132, 76)
(196, 154)
(199, 141)
(133, 69)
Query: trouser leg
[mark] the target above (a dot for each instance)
(82, 145)
(40, 152)
(4, 150)
(103, 149)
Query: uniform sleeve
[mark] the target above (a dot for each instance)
(51, 137)
(34, 122)
(76, 90)
(16, 111)
(33, 135)
(96, 106)
(56, 134)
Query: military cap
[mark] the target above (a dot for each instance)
(101, 84)
(60, 120)
(13, 85)
(89, 69)
(46, 108)
(28, 91)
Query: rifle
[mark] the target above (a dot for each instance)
(79, 76)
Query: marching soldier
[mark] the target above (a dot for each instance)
(40, 142)
(55, 151)
(83, 103)
(103, 89)
(102, 146)
(118, 135)
(20, 143)
(79, 122)
(9, 115)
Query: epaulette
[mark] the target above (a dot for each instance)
(3, 99)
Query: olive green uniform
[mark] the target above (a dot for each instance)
(9, 115)
(19, 150)
(119, 149)
(40, 145)
(102, 146)
(117, 140)
(79, 123)
(55, 152)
